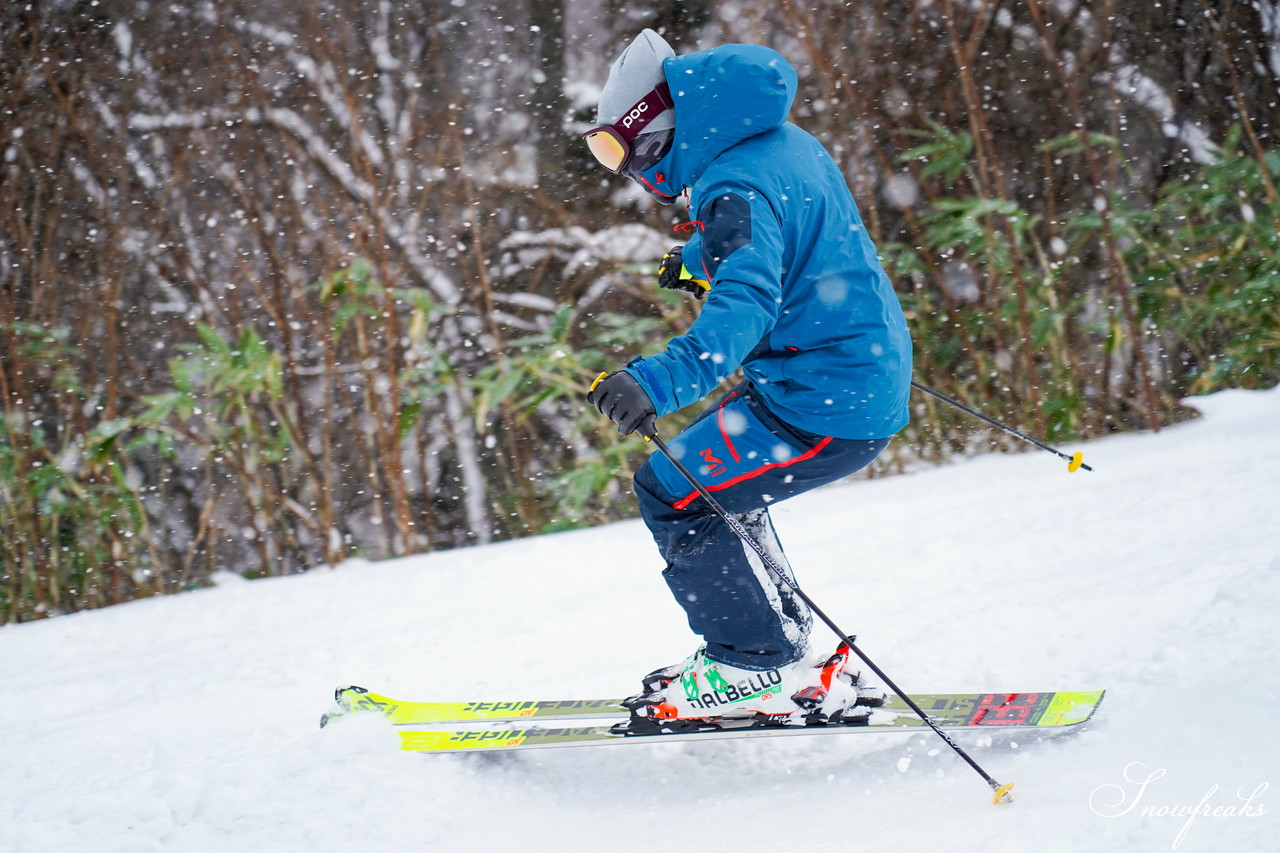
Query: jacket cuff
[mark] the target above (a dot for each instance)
(652, 385)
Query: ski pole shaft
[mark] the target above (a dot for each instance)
(650, 433)
(1076, 461)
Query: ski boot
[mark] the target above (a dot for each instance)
(701, 694)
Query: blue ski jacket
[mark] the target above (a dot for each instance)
(798, 298)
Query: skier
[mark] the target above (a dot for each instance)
(796, 298)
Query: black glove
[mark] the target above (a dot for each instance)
(673, 276)
(620, 398)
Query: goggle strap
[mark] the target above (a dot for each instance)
(644, 111)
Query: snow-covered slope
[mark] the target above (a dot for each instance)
(189, 723)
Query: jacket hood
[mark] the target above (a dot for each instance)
(722, 96)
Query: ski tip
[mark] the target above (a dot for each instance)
(344, 705)
(1003, 795)
(340, 695)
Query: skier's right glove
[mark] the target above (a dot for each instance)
(674, 276)
(619, 397)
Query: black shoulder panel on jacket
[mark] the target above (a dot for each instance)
(728, 228)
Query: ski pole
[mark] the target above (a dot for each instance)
(1075, 462)
(648, 429)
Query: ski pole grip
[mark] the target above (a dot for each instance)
(648, 428)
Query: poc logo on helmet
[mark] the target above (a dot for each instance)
(630, 117)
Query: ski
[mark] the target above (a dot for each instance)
(988, 712)
(401, 713)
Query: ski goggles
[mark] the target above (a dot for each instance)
(610, 144)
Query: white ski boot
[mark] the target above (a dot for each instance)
(811, 691)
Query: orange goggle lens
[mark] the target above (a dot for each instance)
(607, 148)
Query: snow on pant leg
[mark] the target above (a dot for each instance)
(748, 459)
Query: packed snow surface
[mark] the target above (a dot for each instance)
(190, 723)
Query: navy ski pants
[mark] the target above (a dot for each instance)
(748, 459)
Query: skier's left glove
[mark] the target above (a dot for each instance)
(621, 399)
(673, 275)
